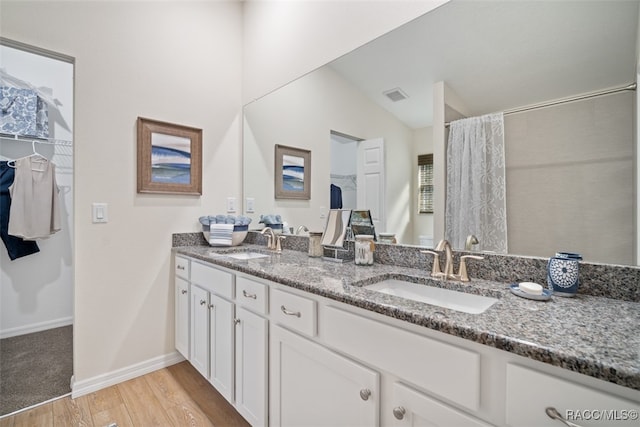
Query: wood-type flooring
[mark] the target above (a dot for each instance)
(174, 396)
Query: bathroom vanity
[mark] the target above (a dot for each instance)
(293, 340)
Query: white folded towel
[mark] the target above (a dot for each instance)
(220, 234)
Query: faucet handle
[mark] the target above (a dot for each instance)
(279, 240)
(435, 270)
(462, 272)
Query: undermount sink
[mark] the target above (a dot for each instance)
(446, 298)
(246, 255)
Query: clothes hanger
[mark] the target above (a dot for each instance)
(40, 162)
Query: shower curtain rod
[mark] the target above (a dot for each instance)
(631, 86)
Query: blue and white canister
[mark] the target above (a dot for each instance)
(563, 271)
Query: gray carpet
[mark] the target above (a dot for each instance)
(35, 368)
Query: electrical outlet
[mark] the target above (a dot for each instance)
(231, 204)
(251, 205)
(323, 213)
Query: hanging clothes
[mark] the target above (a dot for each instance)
(16, 246)
(336, 197)
(35, 208)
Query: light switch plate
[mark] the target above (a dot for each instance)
(99, 213)
(251, 205)
(231, 204)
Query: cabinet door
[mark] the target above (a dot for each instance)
(181, 311)
(577, 403)
(412, 408)
(313, 386)
(221, 350)
(251, 367)
(200, 330)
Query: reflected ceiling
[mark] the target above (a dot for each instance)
(544, 38)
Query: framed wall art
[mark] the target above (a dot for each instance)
(292, 173)
(169, 158)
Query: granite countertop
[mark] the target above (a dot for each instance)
(591, 335)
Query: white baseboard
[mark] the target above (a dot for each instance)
(36, 327)
(80, 388)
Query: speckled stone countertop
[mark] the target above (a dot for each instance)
(592, 335)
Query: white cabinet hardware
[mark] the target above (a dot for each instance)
(399, 412)
(288, 312)
(555, 415)
(248, 295)
(365, 394)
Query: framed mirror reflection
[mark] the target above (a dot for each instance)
(570, 166)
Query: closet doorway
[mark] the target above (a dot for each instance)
(36, 287)
(358, 175)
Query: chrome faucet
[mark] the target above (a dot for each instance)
(471, 240)
(302, 228)
(462, 275)
(444, 245)
(271, 237)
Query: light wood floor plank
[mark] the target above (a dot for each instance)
(104, 399)
(174, 396)
(69, 412)
(7, 421)
(143, 406)
(36, 417)
(212, 403)
(115, 414)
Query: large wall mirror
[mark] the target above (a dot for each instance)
(570, 168)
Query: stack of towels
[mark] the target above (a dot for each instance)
(221, 227)
(271, 220)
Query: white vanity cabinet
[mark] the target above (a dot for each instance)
(285, 357)
(221, 345)
(252, 332)
(413, 408)
(530, 392)
(181, 312)
(226, 333)
(199, 335)
(313, 386)
(251, 366)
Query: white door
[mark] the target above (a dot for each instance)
(200, 330)
(251, 367)
(221, 350)
(313, 386)
(182, 317)
(371, 180)
(411, 408)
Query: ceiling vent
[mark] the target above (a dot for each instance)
(395, 94)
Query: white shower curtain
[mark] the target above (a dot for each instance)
(476, 191)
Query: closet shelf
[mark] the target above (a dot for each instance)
(52, 141)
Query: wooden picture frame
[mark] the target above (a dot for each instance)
(169, 158)
(292, 173)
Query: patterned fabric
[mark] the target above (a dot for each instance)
(476, 190)
(23, 113)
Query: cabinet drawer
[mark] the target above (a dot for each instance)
(530, 392)
(213, 280)
(444, 369)
(252, 295)
(182, 267)
(294, 312)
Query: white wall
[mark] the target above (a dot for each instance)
(281, 118)
(36, 291)
(173, 61)
(179, 62)
(284, 40)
